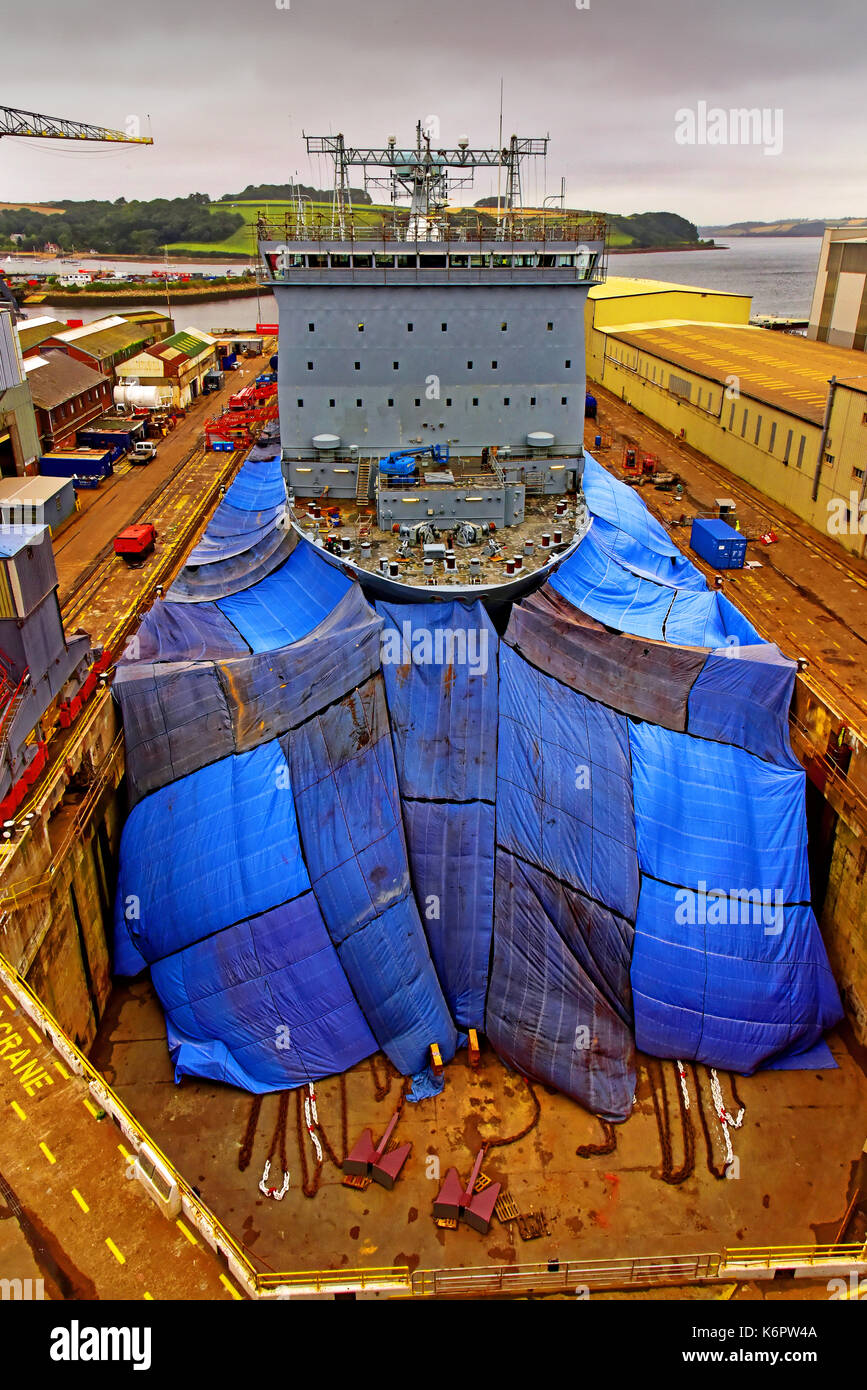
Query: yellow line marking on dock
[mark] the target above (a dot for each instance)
(148, 1296)
(48, 1154)
(230, 1286)
(33, 1033)
(121, 1259)
(8, 1002)
(124, 1151)
(187, 1232)
(91, 1108)
(80, 1200)
(63, 1072)
(18, 1111)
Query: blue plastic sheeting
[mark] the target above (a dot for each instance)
(348, 810)
(558, 1006)
(181, 632)
(616, 503)
(672, 571)
(566, 890)
(229, 522)
(740, 699)
(212, 549)
(564, 795)
(648, 680)
(259, 485)
(594, 581)
(289, 603)
(236, 572)
(226, 843)
(440, 669)
(180, 716)
(263, 1004)
(729, 967)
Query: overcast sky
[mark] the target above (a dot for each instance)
(226, 89)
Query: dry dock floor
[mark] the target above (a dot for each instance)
(797, 1151)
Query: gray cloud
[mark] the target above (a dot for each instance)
(229, 90)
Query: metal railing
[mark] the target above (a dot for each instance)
(396, 228)
(565, 1275)
(779, 1257)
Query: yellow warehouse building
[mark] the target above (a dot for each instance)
(786, 414)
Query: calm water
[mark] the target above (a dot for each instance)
(779, 272)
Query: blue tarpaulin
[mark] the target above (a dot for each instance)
(359, 830)
(289, 603)
(440, 668)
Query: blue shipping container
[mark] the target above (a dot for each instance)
(70, 463)
(718, 544)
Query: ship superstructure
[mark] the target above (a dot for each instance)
(431, 370)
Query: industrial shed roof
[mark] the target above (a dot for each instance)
(57, 378)
(787, 372)
(32, 332)
(105, 340)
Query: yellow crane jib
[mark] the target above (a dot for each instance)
(37, 126)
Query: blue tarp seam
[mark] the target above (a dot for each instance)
(239, 921)
(571, 887)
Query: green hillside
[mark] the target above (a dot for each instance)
(635, 231)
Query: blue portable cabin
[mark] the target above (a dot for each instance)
(717, 543)
(78, 463)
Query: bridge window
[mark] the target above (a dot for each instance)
(358, 401)
(494, 364)
(475, 400)
(532, 400)
(311, 328)
(504, 327)
(310, 366)
(409, 328)
(444, 328)
(564, 400)
(339, 260)
(361, 328)
(418, 400)
(300, 403)
(362, 262)
(358, 366)
(507, 400)
(332, 402)
(568, 363)
(469, 366)
(382, 261)
(448, 400)
(549, 328)
(391, 400)
(407, 262)
(460, 262)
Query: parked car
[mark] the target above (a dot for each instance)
(143, 451)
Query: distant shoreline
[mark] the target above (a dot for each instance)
(141, 295)
(659, 250)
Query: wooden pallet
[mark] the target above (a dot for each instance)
(357, 1180)
(446, 1223)
(482, 1181)
(506, 1209)
(533, 1226)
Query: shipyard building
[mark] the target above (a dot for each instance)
(785, 414)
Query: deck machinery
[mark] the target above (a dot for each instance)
(455, 331)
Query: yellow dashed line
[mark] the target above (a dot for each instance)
(80, 1200)
(148, 1296)
(230, 1286)
(91, 1108)
(185, 1230)
(124, 1151)
(63, 1072)
(18, 1111)
(121, 1259)
(33, 1033)
(48, 1154)
(8, 1002)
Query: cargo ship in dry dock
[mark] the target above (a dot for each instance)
(431, 374)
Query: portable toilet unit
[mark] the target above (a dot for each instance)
(718, 544)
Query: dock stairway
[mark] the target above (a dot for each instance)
(362, 484)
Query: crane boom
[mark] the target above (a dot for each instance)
(31, 123)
